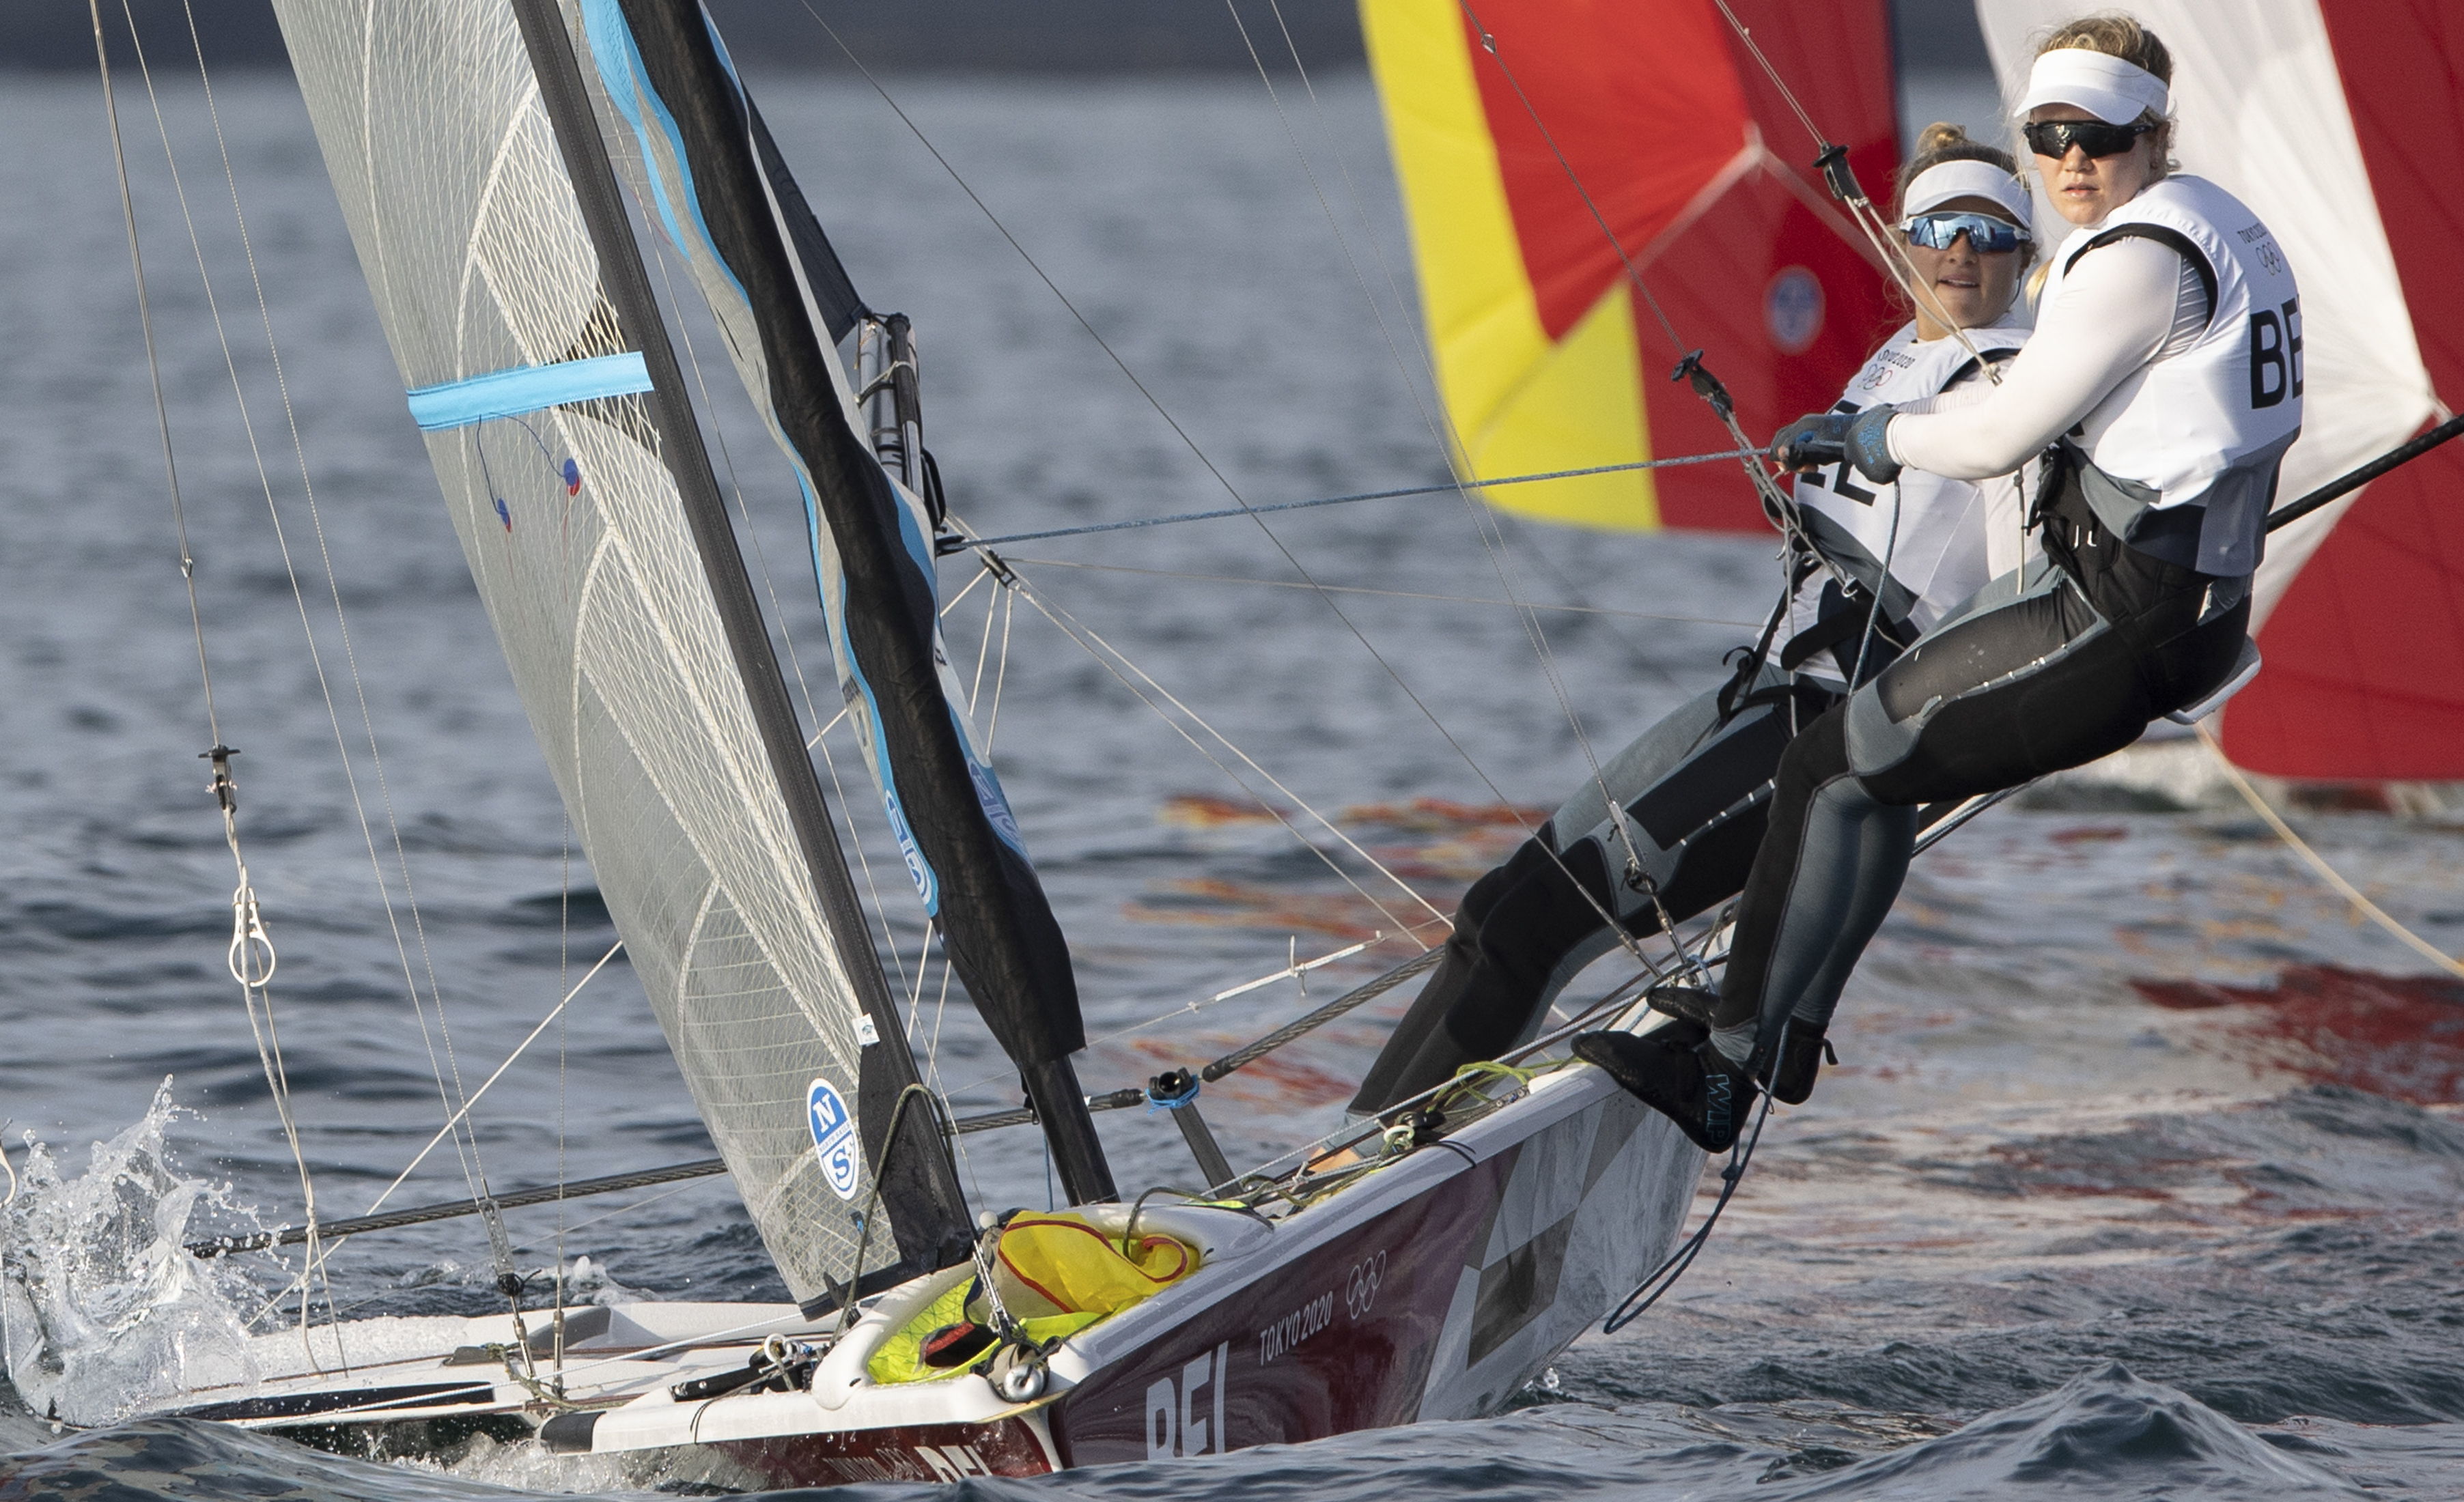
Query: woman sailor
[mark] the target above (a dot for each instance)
(2163, 386)
(1693, 789)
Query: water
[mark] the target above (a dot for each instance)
(2139, 1177)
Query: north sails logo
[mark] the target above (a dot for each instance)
(833, 1128)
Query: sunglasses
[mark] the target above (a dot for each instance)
(2055, 138)
(1987, 235)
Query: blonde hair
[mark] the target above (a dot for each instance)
(1937, 144)
(2118, 34)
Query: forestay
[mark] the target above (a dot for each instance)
(546, 440)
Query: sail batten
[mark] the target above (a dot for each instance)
(497, 252)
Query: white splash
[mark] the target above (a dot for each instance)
(102, 1310)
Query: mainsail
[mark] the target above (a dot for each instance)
(1519, 131)
(2340, 121)
(699, 159)
(574, 474)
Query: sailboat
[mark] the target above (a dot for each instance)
(492, 161)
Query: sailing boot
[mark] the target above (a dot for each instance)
(1675, 1071)
(1803, 1054)
(1690, 1003)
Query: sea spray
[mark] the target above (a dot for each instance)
(103, 1309)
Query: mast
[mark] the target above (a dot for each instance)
(702, 160)
(914, 1172)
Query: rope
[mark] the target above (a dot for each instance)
(1089, 642)
(1897, 263)
(251, 957)
(1451, 487)
(468, 1152)
(2319, 863)
(1386, 594)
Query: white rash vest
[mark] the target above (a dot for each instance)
(2177, 434)
(1953, 535)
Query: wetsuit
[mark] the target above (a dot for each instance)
(1695, 787)
(2166, 377)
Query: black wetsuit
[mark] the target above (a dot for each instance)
(2111, 639)
(1695, 789)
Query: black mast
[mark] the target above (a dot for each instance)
(990, 910)
(919, 1182)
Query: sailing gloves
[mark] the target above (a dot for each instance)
(1857, 438)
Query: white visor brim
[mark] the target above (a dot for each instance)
(2113, 90)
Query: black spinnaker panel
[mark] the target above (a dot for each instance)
(707, 175)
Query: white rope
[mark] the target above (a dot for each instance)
(2319, 863)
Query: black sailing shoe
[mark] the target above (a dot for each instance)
(1675, 1071)
(1801, 1056)
(1691, 1003)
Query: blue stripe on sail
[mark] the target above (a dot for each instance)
(526, 389)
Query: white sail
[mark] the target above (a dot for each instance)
(482, 265)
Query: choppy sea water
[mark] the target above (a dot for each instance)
(2138, 1179)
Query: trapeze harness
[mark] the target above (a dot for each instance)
(2151, 513)
(1692, 791)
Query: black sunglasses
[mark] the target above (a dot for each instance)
(2055, 138)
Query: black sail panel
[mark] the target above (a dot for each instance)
(704, 169)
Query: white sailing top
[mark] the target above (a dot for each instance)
(2167, 419)
(1944, 538)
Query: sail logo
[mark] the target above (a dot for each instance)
(1793, 310)
(833, 1137)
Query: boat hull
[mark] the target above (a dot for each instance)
(1435, 1286)
(1485, 1259)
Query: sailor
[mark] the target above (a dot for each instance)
(1692, 791)
(2163, 386)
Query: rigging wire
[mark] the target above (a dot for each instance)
(377, 1204)
(1386, 594)
(1182, 433)
(1485, 523)
(1895, 259)
(466, 1152)
(1106, 654)
(474, 1170)
(1457, 487)
(251, 957)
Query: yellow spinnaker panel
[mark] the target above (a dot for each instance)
(1518, 402)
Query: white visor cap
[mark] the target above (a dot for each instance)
(1944, 180)
(2114, 91)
